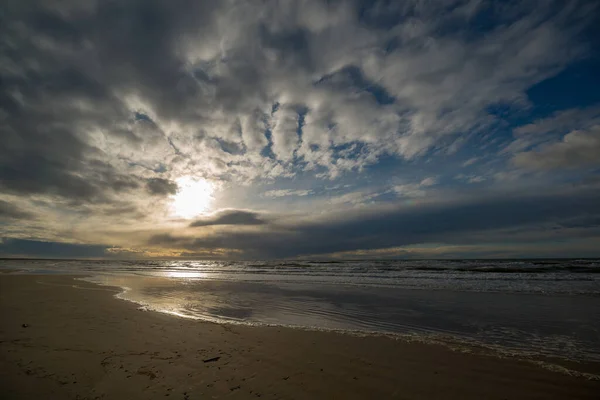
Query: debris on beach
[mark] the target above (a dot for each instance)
(212, 359)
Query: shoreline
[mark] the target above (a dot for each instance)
(569, 366)
(587, 369)
(324, 363)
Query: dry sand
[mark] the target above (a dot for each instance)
(80, 343)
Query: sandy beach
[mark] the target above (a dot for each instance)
(66, 339)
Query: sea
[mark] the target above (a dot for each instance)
(532, 308)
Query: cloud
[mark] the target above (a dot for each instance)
(287, 192)
(585, 248)
(10, 211)
(552, 129)
(409, 190)
(429, 181)
(231, 217)
(488, 219)
(284, 133)
(353, 198)
(36, 248)
(470, 178)
(161, 186)
(562, 121)
(144, 86)
(568, 139)
(577, 149)
(470, 161)
(415, 189)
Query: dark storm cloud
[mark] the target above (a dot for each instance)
(10, 211)
(231, 217)
(159, 186)
(59, 72)
(427, 224)
(139, 40)
(41, 150)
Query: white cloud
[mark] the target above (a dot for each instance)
(561, 121)
(568, 139)
(476, 179)
(549, 130)
(353, 198)
(253, 128)
(286, 193)
(471, 178)
(409, 190)
(284, 133)
(470, 161)
(247, 58)
(430, 181)
(577, 149)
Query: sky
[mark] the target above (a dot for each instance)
(299, 129)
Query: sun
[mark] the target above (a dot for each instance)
(194, 196)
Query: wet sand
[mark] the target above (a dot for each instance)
(65, 339)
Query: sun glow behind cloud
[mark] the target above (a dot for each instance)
(194, 197)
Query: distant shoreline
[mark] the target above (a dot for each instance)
(318, 260)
